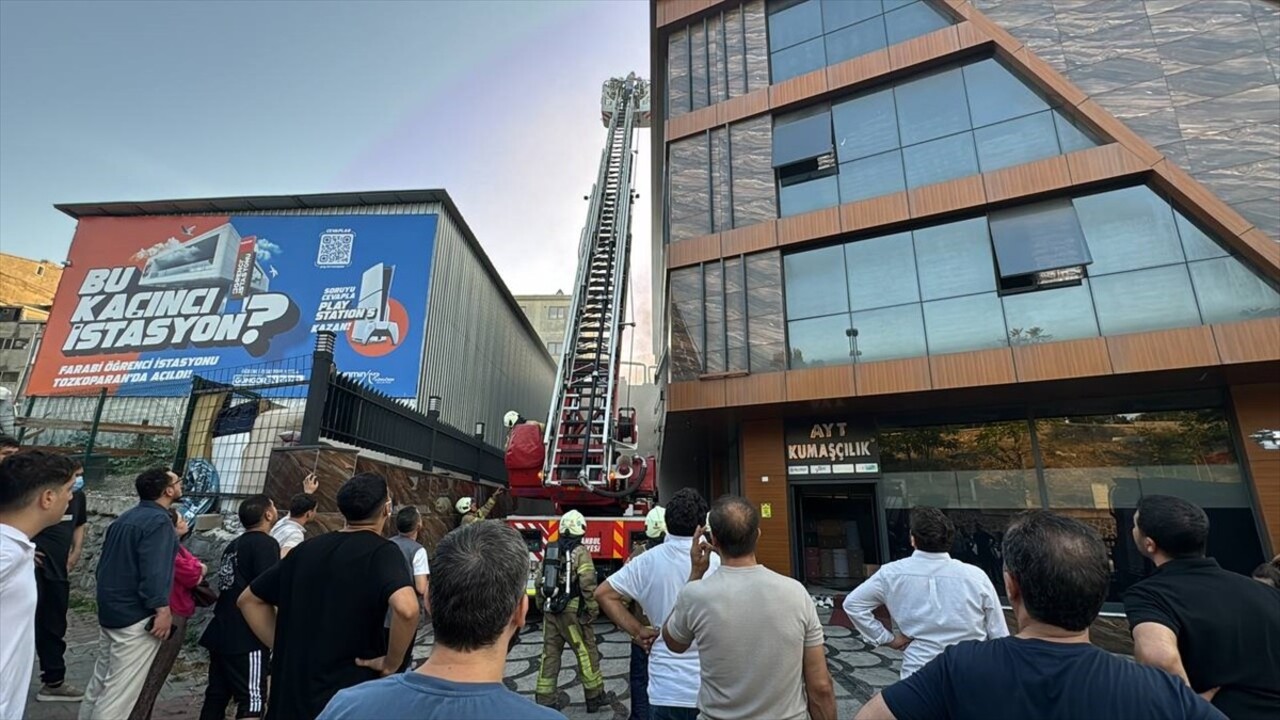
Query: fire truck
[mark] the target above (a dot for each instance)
(585, 456)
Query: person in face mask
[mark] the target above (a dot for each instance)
(58, 550)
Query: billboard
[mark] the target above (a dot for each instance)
(150, 301)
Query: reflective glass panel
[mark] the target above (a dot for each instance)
(954, 259)
(1230, 292)
(751, 176)
(855, 40)
(839, 13)
(797, 60)
(871, 177)
(882, 271)
(820, 341)
(889, 333)
(940, 160)
(1015, 142)
(1070, 135)
(974, 322)
(996, 94)
(802, 138)
(1050, 315)
(1039, 237)
(1153, 299)
(865, 125)
(914, 20)
(816, 283)
(698, 65)
(678, 73)
(932, 106)
(795, 24)
(1128, 229)
(1197, 244)
(810, 195)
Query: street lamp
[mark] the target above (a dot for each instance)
(479, 433)
(433, 406)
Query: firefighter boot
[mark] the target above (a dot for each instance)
(603, 701)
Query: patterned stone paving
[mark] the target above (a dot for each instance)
(858, 672)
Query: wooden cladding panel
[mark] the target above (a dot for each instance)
(946, 197)
(1263, 251)
(1162, 350)
(961, 8)
(798, 88)
(1249, 341)
(1103, 163)
(1006, 41)
(874, 212)
(764, 456)
(755, 389)
(741, 241)
(981, 367)
(893, 376)
(695, 395)
(693, 251)
(811, 225)
(670, 11)
(1257, 407)
(1119, 132)
(924, 48)
(1205, 205)
(970, 36)
(856, 70)
(1061, 360)
(691, 123)
(1047, 78)
(835, 381)
(1025, 180)
(742, 106)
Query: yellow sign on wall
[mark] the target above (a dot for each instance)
(766, 510)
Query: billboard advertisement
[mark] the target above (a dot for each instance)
(147, 302)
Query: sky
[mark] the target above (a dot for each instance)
(497, 102)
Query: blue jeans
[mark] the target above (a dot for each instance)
(672, 713)
(639, 684)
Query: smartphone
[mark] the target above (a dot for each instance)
(151, 625)
(706, 529)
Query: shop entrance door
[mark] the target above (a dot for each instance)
(838, 534)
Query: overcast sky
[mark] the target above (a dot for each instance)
(497, 102)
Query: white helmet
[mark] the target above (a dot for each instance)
(655, 523)
(463, 505)
(511, 418)
(573, 523)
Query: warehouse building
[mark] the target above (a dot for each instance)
(910, 253)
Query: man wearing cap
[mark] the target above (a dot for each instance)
(568, 613)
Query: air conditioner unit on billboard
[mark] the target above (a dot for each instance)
(207, 259)
(375, 295)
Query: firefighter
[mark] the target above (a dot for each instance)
(466, 508)
(568, 612)
(655, 531)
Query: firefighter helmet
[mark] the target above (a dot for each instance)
(655, 523)
(511, 419)
(573, 523)
(463, 505)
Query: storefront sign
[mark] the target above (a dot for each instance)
(832, 450)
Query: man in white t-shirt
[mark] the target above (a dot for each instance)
(291, 529)
(654, 579)
(35, 489)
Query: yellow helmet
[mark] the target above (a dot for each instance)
(573, 523)
(655, 523)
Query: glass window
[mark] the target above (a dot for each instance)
(940, 160)
(1153, 299)
(751, 176)
(1071, 137)
(1229, 292)
(1015, 142)
(954, 259)
(931, 106)
(698, 64)
(871, 177)
(816, 283)
(797, 60)
(974, 322)
(755, 31)
(811, 195)
(803, 138)
(1128, 229)
(713, 292)
(997, 94)
(855, 40)
(716, 55)
(839, 13)
(914, 20)
(764, 312)
(819, 341)
(721, 206)
(882, 271)
(1197, 244)
(678, 73)
(865, 125)
(1050, 315)
(689, 209)
(687, 322)
(1035, 238)
(888, 333)
(735, 53)
(795, 24)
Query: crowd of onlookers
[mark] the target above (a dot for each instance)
(324, 627)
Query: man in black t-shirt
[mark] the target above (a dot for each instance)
(238, 661)
(321, 609)
(1056, 572)
(57, 553)
(1217, 630)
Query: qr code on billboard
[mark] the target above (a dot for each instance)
(335, 249)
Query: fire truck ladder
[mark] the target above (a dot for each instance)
(580, 435)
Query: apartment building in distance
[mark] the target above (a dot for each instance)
(549, 315)
(26, 293)
(985, 256)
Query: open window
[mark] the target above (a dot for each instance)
(1038, 246)
(803, 146)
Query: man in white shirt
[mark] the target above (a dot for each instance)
(35, 489)
(291, 529)
(654, 579)
(935, 600)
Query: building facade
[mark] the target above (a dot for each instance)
(915, 258)
(27, 288)
(549, 315)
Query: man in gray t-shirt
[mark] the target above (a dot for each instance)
(759, 639)
(408, 525)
